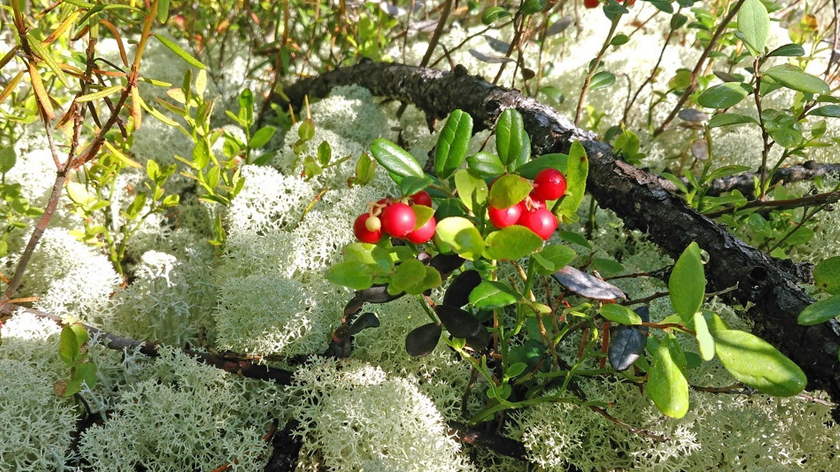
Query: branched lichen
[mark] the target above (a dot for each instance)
(354, 416)
(184, 416)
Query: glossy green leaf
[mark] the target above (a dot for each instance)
(406, 275)
(261, 137)
(724, 95)
(553, 258)
(620, 314)
(492, 14)
(827, 275)
(687, 284)
(510, 136)
(411, 185)
(395, 159)
(828, 111)
(472, 190)
(486, 164)
(667, 386)
(704, 337)
(601, 80)
(187, 57)
(8, 158)
(577, 171)
(511, 243)
(452, 144)
(508, 190)
(68, 346)
(351, 274)
(491, 295)
(754, 24)
(787, 50)
(530, 169)
(795, 78)
(461, 236)
(755, 362)
(820, 311)
(729, 119)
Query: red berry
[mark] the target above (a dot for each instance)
(423, 233)
(591, 3)
(504, 217)
(550, 184)
(540, 221)
(398, 220)
(362, 232)
(422, 198)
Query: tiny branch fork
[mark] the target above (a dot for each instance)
(642, 200)
(239, 365)
(73, 161)
(697, 68)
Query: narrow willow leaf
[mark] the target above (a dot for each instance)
(163, 11)
(136, 107)
(667, 386)
(119, 155)
(511, 243)
(179, 52)
(755, 362)
(41, 92)
(117, 38)
(820, 311)
(489, 295)
(687, 284)
(100, 94)
(10, 87)
(795, 78)
(395, 159)
(61, 28)
(754, 24)
(39, 49)
(452, 144)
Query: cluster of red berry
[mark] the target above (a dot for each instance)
(395, 218)
(531, 212)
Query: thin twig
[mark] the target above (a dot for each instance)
(697, 68)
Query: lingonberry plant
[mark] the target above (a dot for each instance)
(490, 228)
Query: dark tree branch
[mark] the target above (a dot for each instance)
(636, 196)
(283, 455)
(745, 183)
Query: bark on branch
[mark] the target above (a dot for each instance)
(639, 198)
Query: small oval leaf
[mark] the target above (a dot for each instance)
(459, 323)
(687, 284)
(422, 341)
(820, 312)
(452, 144)
(620, 314)
(795, 78)
(755, 362)
(458, 293)
(395, 159)
(724, 95)
(490, 295)
(511, 243)
(667, 386)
